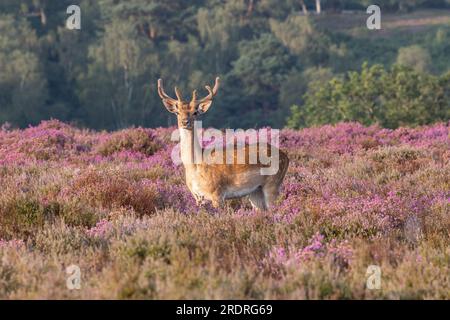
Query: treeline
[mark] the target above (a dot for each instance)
(270, 54)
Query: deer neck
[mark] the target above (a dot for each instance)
(191, 150)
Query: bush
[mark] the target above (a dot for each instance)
(415, 57)
(137, 140)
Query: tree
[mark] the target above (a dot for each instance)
(415, 57)
(300, 36)
(396, 97)
(260, 70)
(155, 19)
(297, 83)
(23, 88)
(220, 30)
(114, 90)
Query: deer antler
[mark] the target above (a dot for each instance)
(164, 95)
(194, 96)
(178, 94)
(212, 92)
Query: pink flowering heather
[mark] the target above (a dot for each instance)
(101, 229)
(317, 249)
(14, 243)
(116, 204)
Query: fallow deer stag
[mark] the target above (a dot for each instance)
(215, 180)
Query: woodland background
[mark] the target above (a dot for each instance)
(282, 63)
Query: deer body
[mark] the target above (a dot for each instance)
(214, 178)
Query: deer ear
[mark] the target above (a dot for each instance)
(204, 106)
(170, 106)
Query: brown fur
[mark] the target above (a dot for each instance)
(218, 182)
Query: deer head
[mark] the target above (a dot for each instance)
(186, 111)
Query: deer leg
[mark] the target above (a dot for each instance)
(199, 200)
(271, 193)
(217, 200)
(257, 199)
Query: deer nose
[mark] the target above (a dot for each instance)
(185, 122)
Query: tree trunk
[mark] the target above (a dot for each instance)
(304, 9)
(318, 7)
(152, 33)
(43, 17)
(250, 8)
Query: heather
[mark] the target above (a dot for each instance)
(115, 204)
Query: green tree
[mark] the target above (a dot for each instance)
(396, 97)
(262, 66)
(220, 29)
(23, 88)
(415, 57)
(155, 19)
(302, 38)
(298, 83)
(115, 90)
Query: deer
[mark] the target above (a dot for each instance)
(217, 181)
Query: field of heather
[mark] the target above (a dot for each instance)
(115, 205)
